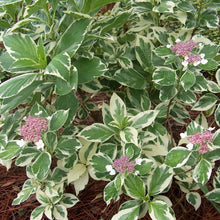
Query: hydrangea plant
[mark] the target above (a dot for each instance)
(153, 61)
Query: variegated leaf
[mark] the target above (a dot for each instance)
(159, 210)
(202, 171)
(128, 211)
(117, 108)
(96, 132)
(60, 212)
(213, 195)
(143, 119)
(37, 213)
(159, 180)
(68, 200)
(194, 199)
(177, 157)
(129, 135)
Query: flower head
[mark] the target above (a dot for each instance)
(202, 139)
(31, 130)
(122, 164)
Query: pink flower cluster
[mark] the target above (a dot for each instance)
(183, 49)
(122, 164)
(202, 139)
(31, 130)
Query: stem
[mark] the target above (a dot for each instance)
(186, 171)
(168, 123)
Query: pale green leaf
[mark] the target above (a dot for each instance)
(202, 171)
(177, 157)
(41, 165)
(96, 132)
(194, 199)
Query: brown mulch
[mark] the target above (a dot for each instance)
(91, 205)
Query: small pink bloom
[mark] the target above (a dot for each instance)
(122, 164)
(31, 130)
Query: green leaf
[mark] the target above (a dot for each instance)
(58, 119)
(71, 39)
(194, 199)
(212, 155)
(145, 167)
(205, 102)
(65, 102)
(187, 80)
(217, 115)
(116, 21)
(134, 187)
(58, 175)
(131, 78)
(139, 99)
(24, 50)
(25, 193)
(88, 69)
(177, 157)
(128, 211)
(209, 18)
(164, 76)
(194, 128)
(212, 64)
(41, 166)
(67, 146)
(213, 195)
(162, 51)
(96, 132)
(110, 192)
(42, 197)
(89, 7)
(187, 97)
(160, 180)
(210, 51)
(202, 171)
(67, 77)
(217, 76)
(9, 2)
(129, 135)
(15, 85)
(143, 54)
(37, 213)
(185, 6)
(159, 210)
(165, 6)
(68, 200)
(99, 162)
(8, 104)
(117, 108)
(26, 156)
(36, 6)
(167, 93)
(213, 87)
(38, 110)
(10, 151)
(143, 119)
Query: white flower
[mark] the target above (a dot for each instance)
(200, 44)
(202, 55)
(136, 172)
(110, 169)
(39, 144)
(138, 161)
(211, 128)
(48, 118)
(38, 113)
(20, 143)
(169, 46)
(183, 135)
(204, 61)
(196, 63)
(185, 63)
(112, 172)
(189, 146)
(178, 40)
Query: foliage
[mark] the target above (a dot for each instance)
(151, 61)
